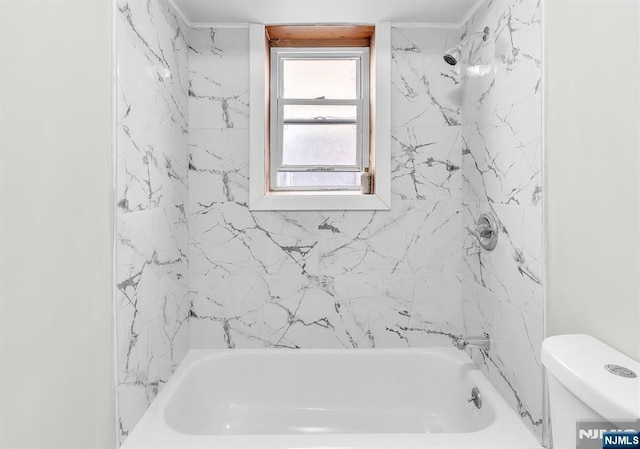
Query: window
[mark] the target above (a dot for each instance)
(319, 118)
(319, 115)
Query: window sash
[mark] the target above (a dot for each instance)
(278, 55)
(279, 164)
(359, 54)
(304, 102)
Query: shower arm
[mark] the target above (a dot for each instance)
(485, 36)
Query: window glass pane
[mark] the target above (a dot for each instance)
(326, 112)
(319, 144)
(320, 78)
(318, 179)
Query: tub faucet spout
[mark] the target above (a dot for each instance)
(478, 342)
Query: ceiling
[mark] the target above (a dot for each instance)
(446, 12)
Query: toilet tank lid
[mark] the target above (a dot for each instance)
(578, 362)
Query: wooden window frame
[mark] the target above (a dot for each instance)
(261, 195)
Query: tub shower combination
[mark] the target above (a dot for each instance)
(198, 270)
(379, 398)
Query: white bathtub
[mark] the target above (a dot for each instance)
(413, 398)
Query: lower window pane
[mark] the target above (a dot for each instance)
(318, 180)
(319, 144)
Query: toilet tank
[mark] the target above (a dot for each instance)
(581, 389)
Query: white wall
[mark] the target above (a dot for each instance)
(56, 262)
(593, 171)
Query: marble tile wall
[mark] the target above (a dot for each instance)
(326, 279)
(152, 296)
(196, 268)
(502, 174)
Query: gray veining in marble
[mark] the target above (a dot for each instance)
(152, 276)
(326, 279)
(196, 268)
(502, 175)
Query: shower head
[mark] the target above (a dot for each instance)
(454, 55)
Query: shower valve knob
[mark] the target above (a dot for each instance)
(486, 231)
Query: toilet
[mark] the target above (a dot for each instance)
(589, 381)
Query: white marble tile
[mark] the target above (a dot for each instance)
(133, 399)
(414, 236)
(265, 311)
(489, 84)
(502, 157)
(423, 39)
(426, 163)
(152, 294)
(218, 167)
(152, 58)
(151, 162)
(513, 361)
(218, 41)
(513, 271)
(219, 100)
(425, 90)
(506, 69)
(152, 303)
(219, 79)
(484, 91)
(502, 174)
(326, 312)
(227, 238)
(400, 310)
(325, 279)
(333, 279)
(502, 106)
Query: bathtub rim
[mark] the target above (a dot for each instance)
(506, 430)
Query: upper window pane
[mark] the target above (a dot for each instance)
(320, 78)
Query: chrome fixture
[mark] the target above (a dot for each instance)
(453, 55)
(478, 342)
(621, 371)
(475, 397)
(486, 231)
